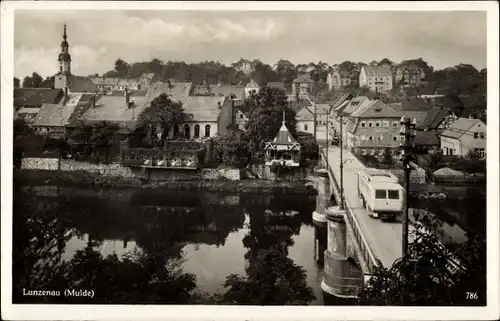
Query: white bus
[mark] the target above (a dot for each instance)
(380, 193)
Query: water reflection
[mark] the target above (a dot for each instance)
(139, 246)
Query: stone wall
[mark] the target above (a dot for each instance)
(264, 172)
(116, 170)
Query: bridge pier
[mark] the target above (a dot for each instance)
(323, 198)
(342, 278)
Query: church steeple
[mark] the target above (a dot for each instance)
(64, 57)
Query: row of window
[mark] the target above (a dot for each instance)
(381, 137)
(384, 123)
(187, 130)
(482, 135)
(48, 129)
(386, 194)
(375, 151)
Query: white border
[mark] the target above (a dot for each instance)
(122, 312)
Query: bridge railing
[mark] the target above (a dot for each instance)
(370, 259)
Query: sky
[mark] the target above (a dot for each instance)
(98, 38)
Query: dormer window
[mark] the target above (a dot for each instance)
(370, 124)
(363, 124)
(377, 124)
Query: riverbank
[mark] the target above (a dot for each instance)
(86, 179)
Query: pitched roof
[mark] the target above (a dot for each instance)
(276, 84)
(78, 84)
(305, 114)
(57, 114)
(113, 108)
(419, 116)
(355, 104)
(376, 70)
(351, 124)
(252, 84)
(244, 109)
(340, 100)
(376, 109)
(434, 118)
(426, 138)
(322, 109)
(284, 137)
(203, 108)
(36, 97)
(460, 127)
(222, 90)
(178, 91)
(303, 78)
(416, 104)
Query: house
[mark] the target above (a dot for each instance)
(409, 76)
(236, 93)
(206, 116)
(122, 110)
(305, 120)
(333, 79)
(283, 64)
(53, 118)
(438, 119)
(323, 114)
(372, 128)
(244, 65)
(28, 101)
(242, 116)
(303, 84)
(466, 134)
(283, 149)
(251, 87)
(378, 79)
(426, 141)
(344, 113)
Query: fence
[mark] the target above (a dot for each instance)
(369, 258)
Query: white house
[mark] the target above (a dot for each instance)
(305, 120)
(466, 134)
(251, 86)
(378, 79)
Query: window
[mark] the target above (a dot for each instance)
(482, 135)
(306, 127)
(393, 195)
(372, 151)
(402, 138)
(476, 135)
(176, 130)
(196, 130)
(394, 124)
(391, 152)
(363, 124)
(187, 131)
(207, 131)
(370, 124)
(48, 129)
(395, 138)
(363, 137)
(381, 152)
(380, 194)
(370, 137)
(241, 116)
(363, 152)
(377, 124)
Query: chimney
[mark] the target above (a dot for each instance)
(471, 116)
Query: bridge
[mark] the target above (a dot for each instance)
(376, 243)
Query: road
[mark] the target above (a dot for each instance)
(384, 238)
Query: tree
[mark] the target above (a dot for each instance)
(161, 112)
(263, 73)
(424, 277)
(121, 66)
(232, 149)
(266, 116)
(385, 61)
(17, 82)
(32, 82)
(48, 82)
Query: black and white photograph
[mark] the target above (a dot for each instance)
(243, 154)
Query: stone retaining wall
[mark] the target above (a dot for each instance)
(116, 170)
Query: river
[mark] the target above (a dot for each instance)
(134, 246)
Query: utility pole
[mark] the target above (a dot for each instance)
(327, 142)
(341, 206)
(408, 132)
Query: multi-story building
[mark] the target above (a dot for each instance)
(344, 112)
(409, 76)
(372, 128)
(303, 85)
(378, 79)
(464, 136)
(305, 120)
(244, 65)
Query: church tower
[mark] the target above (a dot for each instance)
(62, 77)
